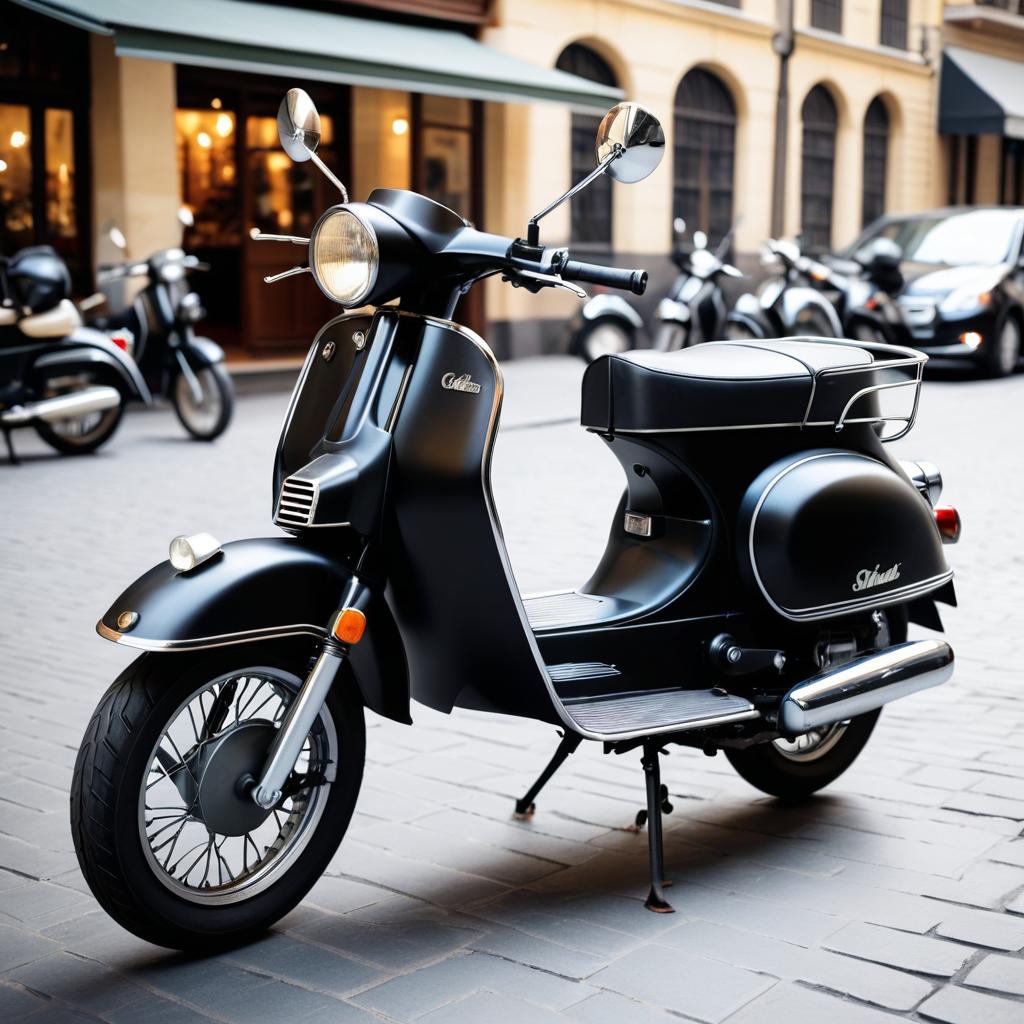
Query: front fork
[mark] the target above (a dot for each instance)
(344, 630)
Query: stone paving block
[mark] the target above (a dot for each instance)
(943, 778)
(683, 983)
(1009, 853)
(999, 973)
(1000, 785)
(304, 964)
(82, 983)
(793, 1004)
(537, 952)
(982, 928)
(1016, 905)
(866, 981)
(985, 884)
(17, 1003)
(18, 947)
(492, 1008)
(980, 803)
(611, 1008)
(409, 996)
(153, 1009)
(953, 1005)
(903, 950)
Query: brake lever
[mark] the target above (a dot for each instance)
(534, 281)
(286, 273)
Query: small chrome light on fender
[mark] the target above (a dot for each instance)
(188, 552)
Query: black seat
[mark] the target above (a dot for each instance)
(729, 384)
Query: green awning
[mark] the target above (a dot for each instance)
(303, 44)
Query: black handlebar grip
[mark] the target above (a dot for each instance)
(634, 281)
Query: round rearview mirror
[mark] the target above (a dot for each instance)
(700, 240)
(298, 125)
(185, 217)
(636, 135)
(116, 235)
(679, 226)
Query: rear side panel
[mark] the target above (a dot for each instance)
(828, 533)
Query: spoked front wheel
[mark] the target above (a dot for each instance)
(168, 837)
(205, 415)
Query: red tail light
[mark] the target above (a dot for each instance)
(947, 519)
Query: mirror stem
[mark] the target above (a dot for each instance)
(533, 228)
(329, 175)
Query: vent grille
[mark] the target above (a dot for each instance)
(297, 503)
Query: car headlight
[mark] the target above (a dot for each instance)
(965, 300)
(344, 256)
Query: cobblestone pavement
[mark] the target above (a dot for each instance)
(897, 893)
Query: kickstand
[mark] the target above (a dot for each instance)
(12, 455)
(655, 802)
(525, 805)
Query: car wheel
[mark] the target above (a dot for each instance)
(1001, 358)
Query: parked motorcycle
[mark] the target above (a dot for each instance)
(753, 598)
(790, 303)
(69, 383)
(695, 309)
(159, 329)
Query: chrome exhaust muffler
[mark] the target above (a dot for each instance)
(62, 407)
(865, 684)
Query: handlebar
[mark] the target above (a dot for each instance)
(634, 281)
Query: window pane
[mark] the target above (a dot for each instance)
(16, 227)
(209, 175)
(61, 222)
(450, 111)
(827, 15)
(817, 170)
(447, 168)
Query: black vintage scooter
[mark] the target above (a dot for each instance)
(71, 384)
(159, 329)
(760, 571)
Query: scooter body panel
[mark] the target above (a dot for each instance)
(261, 589)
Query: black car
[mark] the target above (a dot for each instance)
(963, 291)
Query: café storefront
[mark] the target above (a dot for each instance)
(183, 100)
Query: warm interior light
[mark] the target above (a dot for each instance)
(3, 166)
(400, 126)
(972, 339)
(224, 125)
(216, 103)
(204, 140)
(18, 139)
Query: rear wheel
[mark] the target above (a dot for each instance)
(168, 838)
(793, 769)
(79, 435)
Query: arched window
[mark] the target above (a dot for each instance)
(827, 15)
(876, 159)
(817, 167)
(591, 209)
(704, 153)
(893, 30)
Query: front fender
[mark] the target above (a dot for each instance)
(262, 589)
(89, 346)
(795, 303)
(605, 305)
(202, 352)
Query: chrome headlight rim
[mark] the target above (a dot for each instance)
(333, 211)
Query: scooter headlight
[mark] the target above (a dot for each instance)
(344, 256)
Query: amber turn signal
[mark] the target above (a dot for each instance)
(349, 625)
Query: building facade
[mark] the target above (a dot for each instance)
(119, 123)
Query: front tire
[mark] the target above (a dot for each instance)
(136, 765)
(208, 418)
